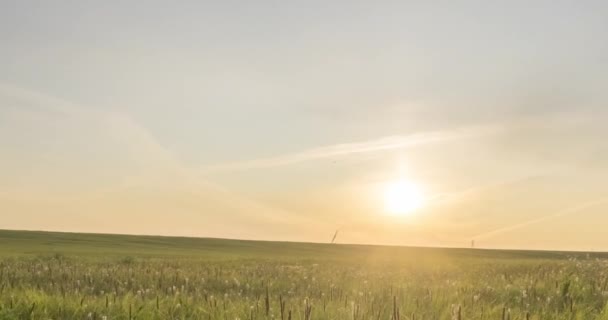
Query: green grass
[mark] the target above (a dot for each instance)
(45, 275)
(82, 245)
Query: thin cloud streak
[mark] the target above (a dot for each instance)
(346, 149)
(24, 99)
(561, 213)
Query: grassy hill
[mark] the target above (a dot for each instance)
(81, 244)
(53, 275)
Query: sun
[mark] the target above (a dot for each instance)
(402, 197)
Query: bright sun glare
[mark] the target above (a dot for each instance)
(402, 197)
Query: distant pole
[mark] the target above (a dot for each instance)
(473, 244)
(334, 238)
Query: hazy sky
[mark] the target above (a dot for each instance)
(283, 120)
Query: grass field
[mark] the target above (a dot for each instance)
(88, 276)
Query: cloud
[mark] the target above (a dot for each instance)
(361, 147)
(567, 211)
(155, 176)
(82, 137)
(22, 99)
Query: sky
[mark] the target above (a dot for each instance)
(285, 120)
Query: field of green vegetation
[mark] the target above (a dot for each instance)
(87, 276)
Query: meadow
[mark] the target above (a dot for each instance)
(88, 276)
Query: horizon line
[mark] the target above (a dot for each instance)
(310, 242)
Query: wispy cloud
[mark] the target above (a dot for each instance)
(353, 148)
(155, 165)
(23, 99)
(131, 136)
(567, 211)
